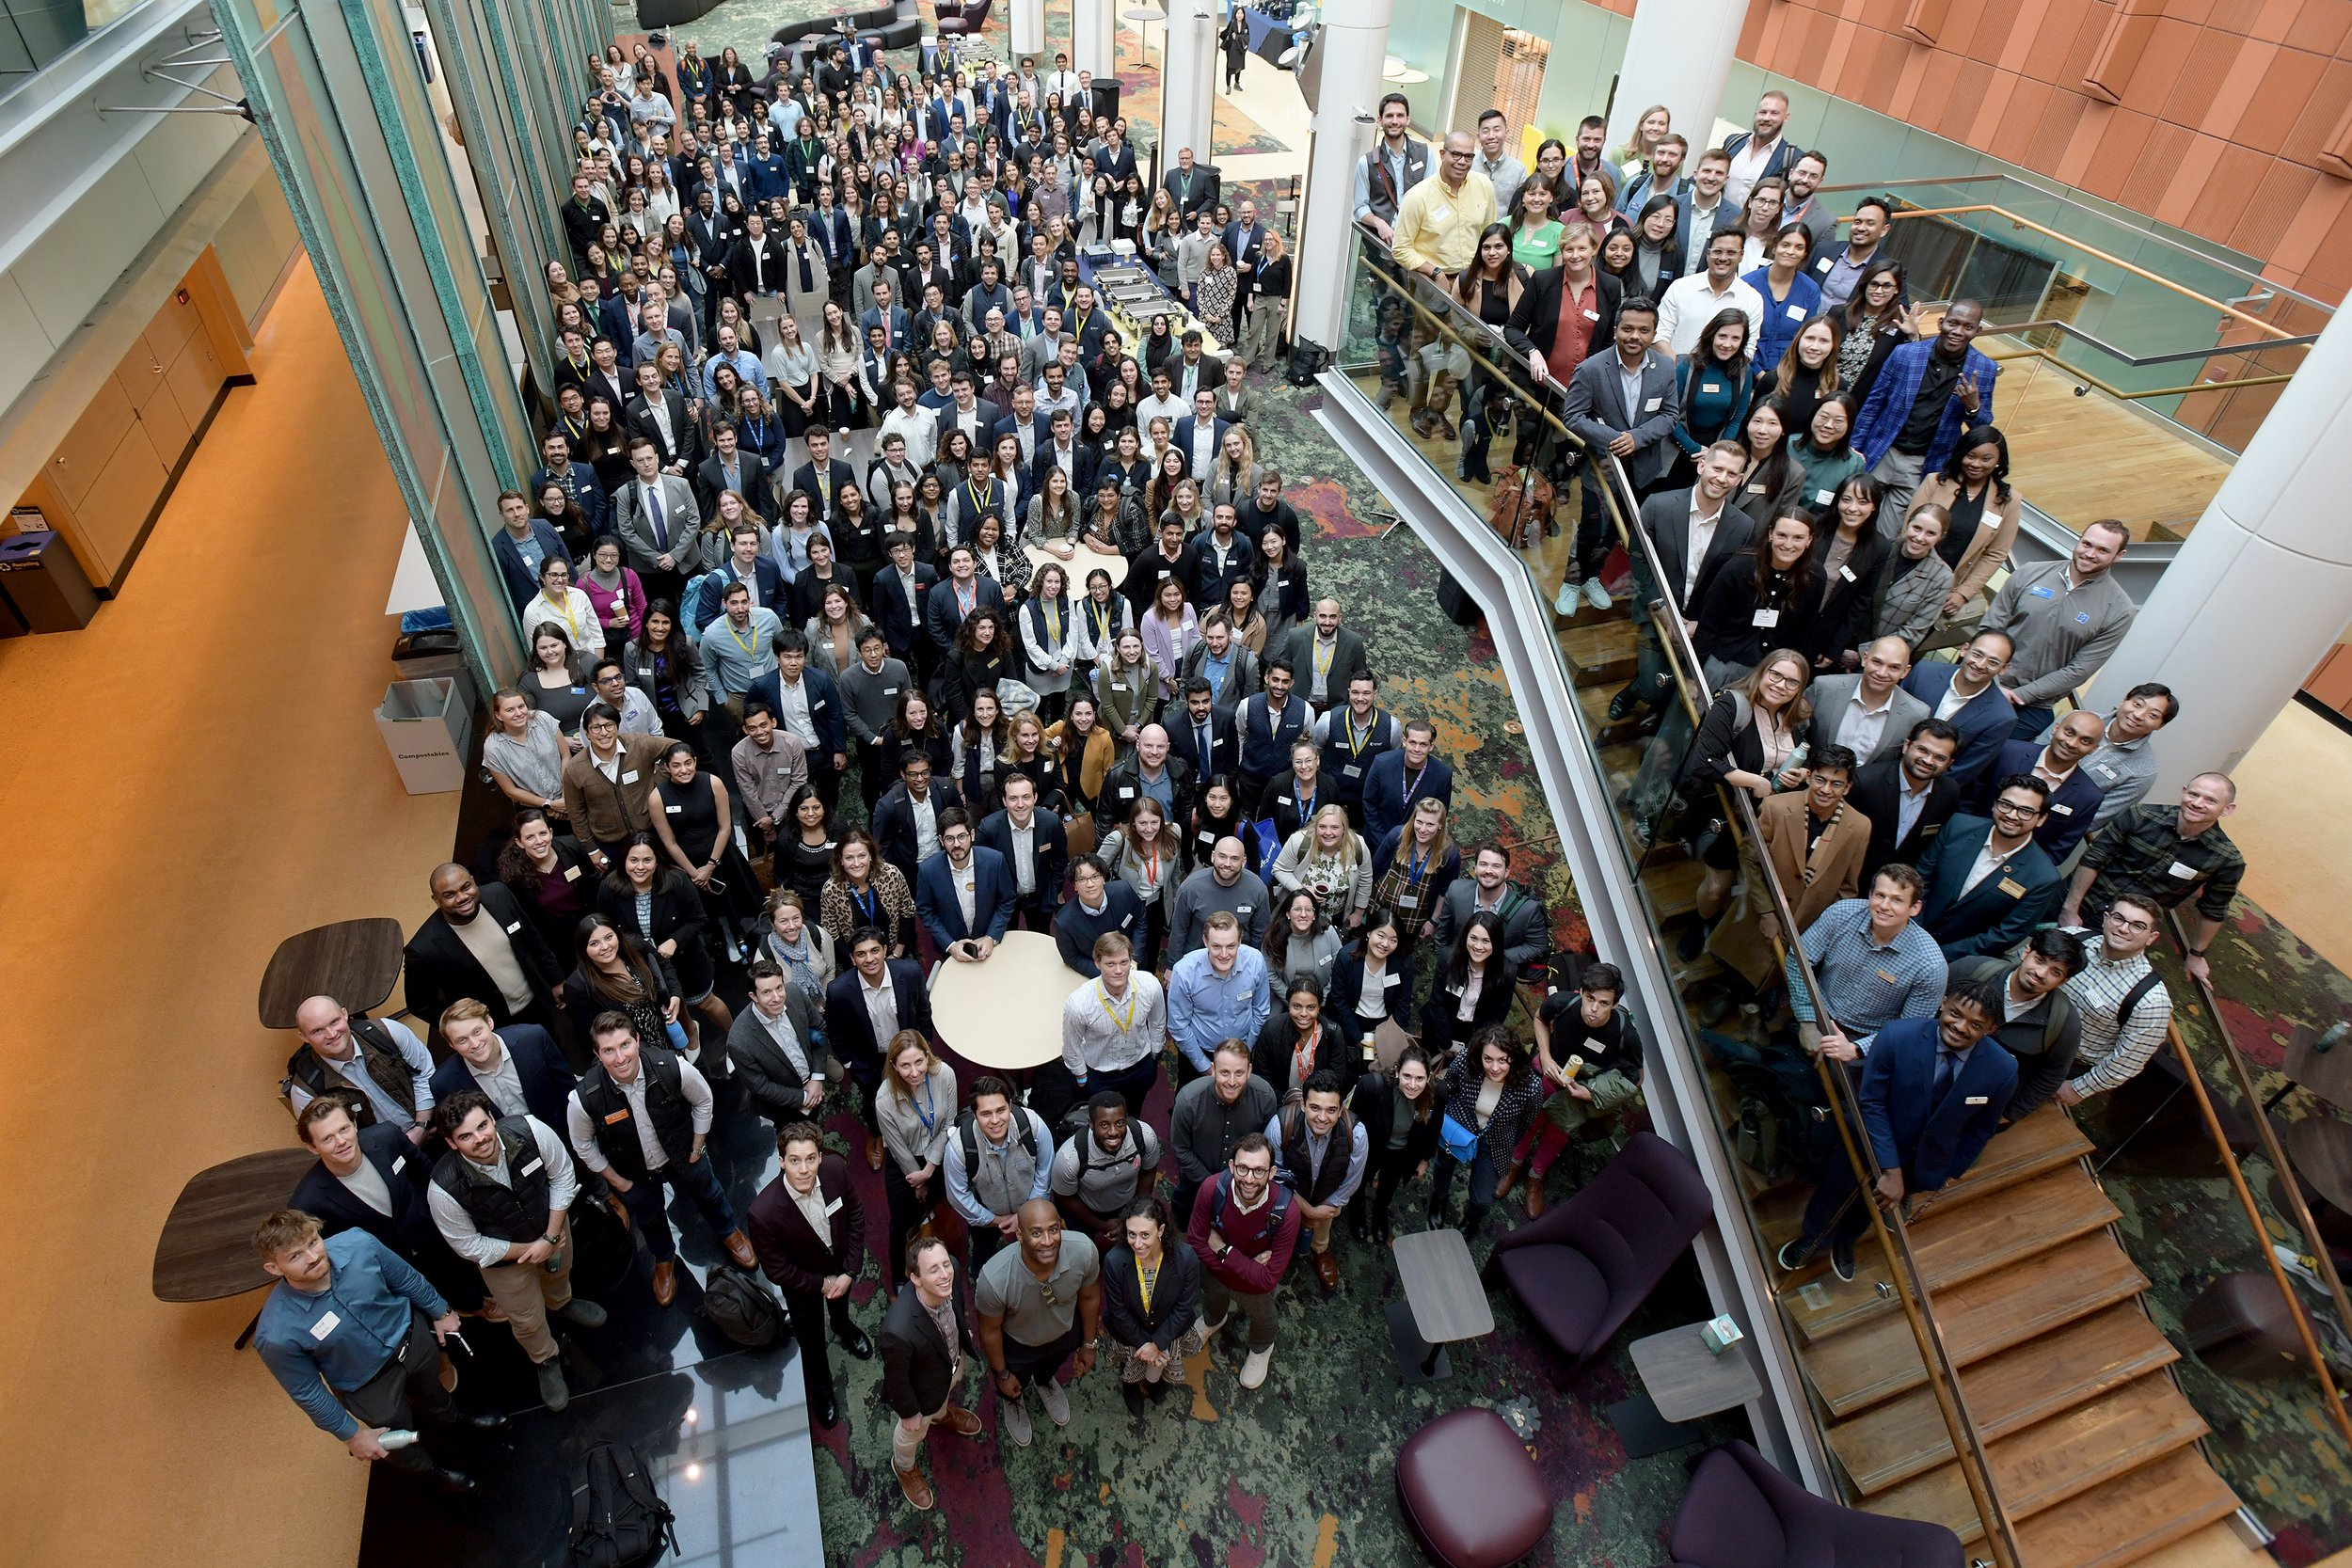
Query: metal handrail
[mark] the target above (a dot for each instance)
(2076, 373)
(1910, 1292)
(2287, 1185)
(2137, 360)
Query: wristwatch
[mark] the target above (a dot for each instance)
(1223, 1252)
(2196, 952)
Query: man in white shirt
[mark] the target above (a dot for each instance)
(1867, 712)
(1163, 403)
(1751, 155)
(918, 428)
(1690, 303)
(1112, 1026)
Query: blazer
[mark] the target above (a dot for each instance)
(1666, 518)
(1595, 409)
(824, 704)
(1988, 548)
(1347, 662)
(1184, 741)
(705, 597)
(687, 444)
(1534, 321)
(1841, 622)
(522, 584)
(1396, 995)
(1206, 187)
(437, 969)
(1373, 1102)
(899, 624)
(1897, 387)
(1385, 806)
(681, 517)
(1831, 694)
(754, 478)
(839, 475)
(1526, 924)
(676, 910)
(1049, 843)
(942, 619)
(1874, 795)
(850, 1029)
(547, 1079)
(2071, 810)
(1175, 1296)
(993, 898)
(2001, 911)
(917, 1362)
(893, 821)
(407, 1172)
(1984, 724)
(792, 1253)
(1181, 438)
(1932, 1141)
(1278, 1038)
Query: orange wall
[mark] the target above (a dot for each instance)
(2231, 119)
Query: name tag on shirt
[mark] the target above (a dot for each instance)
(1765, 618)
(2181, 869)
(1755, 489)
(1209, 839)
(529, 1168)
(1652, 405)
(2012, 887)
(1119, 685)
(818, 706)
(1889, 979)
(628, 778)
(1350, 770)
(1845, 572)
(1127, 792)
(515, 928)
(1387, 980)
(621, 1115)
(1592, 315)
(890, 692)
(1796, 313)
(1823, 498)
(571, 874)
(1710, 386)
(1283, 801)
(2062, 811)
(1979, 1100)
(2044, 591)
(325, 1326)
(399, 1163)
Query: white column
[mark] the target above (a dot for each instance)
(2261, 588)
(1350, 53)
(1678, 53)
(1092, 36)
(1029, 32)
(1188, 81)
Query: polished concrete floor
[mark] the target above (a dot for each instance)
(195, 776)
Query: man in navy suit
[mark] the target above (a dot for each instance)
(891, 317)
(2073, 793)
(519, 1067)
(874, 1000)
(1202, 734)
(355, 1161)
(1033, 848)
(1989, 883)
(1244, 240)
(964, 591)
(965, 894)
(1969, 697)
(1932, 1093)
(823, 477)
(906, 808)
(806, 702)
(1202, 421)
(1397, 780)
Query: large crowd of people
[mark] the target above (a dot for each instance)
(1182, 770)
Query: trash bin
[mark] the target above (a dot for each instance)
(427, 733)
(43, 582)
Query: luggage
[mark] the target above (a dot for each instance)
(742, 1306)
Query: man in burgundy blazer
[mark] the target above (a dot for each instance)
(809, 1232)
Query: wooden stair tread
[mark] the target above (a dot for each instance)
(2043, 1465)
(2042, 1142)
(2217, 1545)
(2006, 1393)
(1599, 651)
(1951, 1245)
(1674, 887)
(2125, 1519)
(1982, 1318)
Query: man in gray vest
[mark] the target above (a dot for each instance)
(379, 1059)
(1396, 165)
(1322, 1150)
(503, 1198)
(1000, 1157)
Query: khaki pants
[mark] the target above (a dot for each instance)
(906, 1439)
(527, 1292)
(1319, 1234)
(1263, 342)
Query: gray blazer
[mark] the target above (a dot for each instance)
(1595, 409)
(1831, 694)
(684, 518)
(1666, 518)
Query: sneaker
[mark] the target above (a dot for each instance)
(587, 1314)
(1595, 595)
(1056, 1398)
(1792, 1254)
(1210, 1331)
(1013, 1415)
(916, 1489)
(1253, 1369)
(1842, 1261)
(552, 1391)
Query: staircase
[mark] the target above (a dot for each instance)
(2092, 1447)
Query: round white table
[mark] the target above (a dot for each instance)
(1081, 564)
(1005, 1013)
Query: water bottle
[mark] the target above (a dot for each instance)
(400, 1437)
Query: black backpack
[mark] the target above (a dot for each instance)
(604, 1244)
(741, 1307)
(618, 1519)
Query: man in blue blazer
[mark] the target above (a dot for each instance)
(516, 569)
(895, 814)
(520, 1058)
(941, 881)
(2073, 793)
(1968, 696)
(1398, 779)
(813, 691)
(326, 1129)
(1048, 851)
(963, 592)
(1932, 1093)
(1945, 376)
(1202, 417)
(876, 997)
(1989, 883)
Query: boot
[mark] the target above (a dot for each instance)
(1510, 1179)
(918, 1490)
(1534, 1197)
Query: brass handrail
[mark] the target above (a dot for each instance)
(2076, 373)
(1910, 1285)
(2137, 360)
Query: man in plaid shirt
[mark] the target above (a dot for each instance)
(2124, 1007)
(2165, 854)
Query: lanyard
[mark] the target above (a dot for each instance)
(1414, 867)
(924, 1112)
(1413, 784)
(1124, 1024)
(1053, 622)
(1145, 1280)
(1101, 615)
(1323, 655)
(563, 607)
(966, 598)
(868, 904)
(1355, 743)
(751, 649)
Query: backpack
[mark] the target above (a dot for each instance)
(968, 1129)
(1523, 500)
(618, 1519)
(741, 1306)
(1770, 1136)
(604, 1246)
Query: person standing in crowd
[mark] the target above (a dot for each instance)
(2164, 856)
(1113, 1027)
(1244, 1227)
(1989, 883)
(1396, 164)
(518, 1066)
(373, 1179)
(1323, 1154)
(1151, 1302)
(808, 1230)
(1104, 1168)
(2063, 618)
(379, 1060)
(927, 1341)
(1928, 395)
(1440, 220)
(2039, 1024)
(478, 942)
(1000, 1158)
(1040, 1307)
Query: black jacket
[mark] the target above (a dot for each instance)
(1873, 795)
(1270, 1056)
(547, 1079)
(408, 1229)
(773, 1086)
(438, 969)
(1347, 990)
(893, 821)
(850, 1029)
(1373, 1102)
(1536, 319)
(678, 907)
(1175, 1296)
(1111, 806)
(1050, 843)
(917, 1366)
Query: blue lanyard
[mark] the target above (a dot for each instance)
(868, 904)
(924, 1112)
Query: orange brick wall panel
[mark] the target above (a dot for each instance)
(2288, 86)
(2280, 195)
(2061, 114)
(2157, 166)
(2321, 112)
(2061, 22)
(2014, 138)
(1993, 28)
(2162, 60)
(2193, 92)
(2188, 184)
(2320, 27)
(2228, 192)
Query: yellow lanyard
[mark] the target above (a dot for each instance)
(1145, 1280)
(751, 649)
(1053, 622)
(1323, 655)
(1123, 1023)
(1355, 743)
(563, 607)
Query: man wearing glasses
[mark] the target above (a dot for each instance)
(1439, 222)
(1989, 883)
(1040, 1304)
(2164, 855)
(2123, 1005)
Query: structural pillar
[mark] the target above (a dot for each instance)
(1029, 32)
(1092, 39)
(1678, 53)
(2262, 587)
(1189, 82)
(1345, 69)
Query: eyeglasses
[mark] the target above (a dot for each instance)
(2121, 922)
(2013, 808)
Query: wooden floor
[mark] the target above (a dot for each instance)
(196, 775)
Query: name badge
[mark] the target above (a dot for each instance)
(399, 1163)
(834, 1205)
(1408, 900)
(1845, 572)
(1652, 405)
(2082, 617)
(1387, 980)
(628, 778)
(2179, 869)
(529, 1168)
(2107, 770)
(1127, 792)
(1119, 685)
(621, 1115)
(513, 928)
(1796, 313)
(2062, 811)
(672, 809)
(1209, 839)
(2044, 591)
(1283, 801)
(1349, 771)
(1710, 386)
(1823, 498)
(325, 1326)
(1889, 979)
(580, 691)
(1765, 618)
(1592, 315)
(1979, 1100)
(1125, 921)
(2012, 887)
(1755, 489)
(890, 692)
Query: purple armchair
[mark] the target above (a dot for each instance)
(1581, 1269)
(1740, 1513)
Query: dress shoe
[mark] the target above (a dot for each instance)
(1358, 1224)
(857, 1344)
(1133, 1394)
(492, 1312)
(962, 1422)
(587, 1314)
(552, 1391)
(918, 1490)
(1328, 1271)
(1380, 1231)
(739, 1248)
(1624, 705)
(1510, 1179)
(664, 1284)
(823, 1411)
(873, 1155)
(1534, 1197)
(455, 1482)
(488, 1420)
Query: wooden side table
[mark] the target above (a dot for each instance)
(205, 1251)
(1005, 1015)
(1682, 1380)
(355, 961)
(1444, 1302)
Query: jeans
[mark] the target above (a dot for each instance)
(647, 1199)
(1484, 1179)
